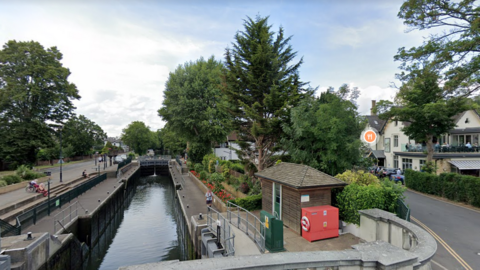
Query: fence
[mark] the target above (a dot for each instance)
(123, 163)
(65, 216)
(403, 211)
(227, 236)
(6, 229)
(31, 216)
(251, 225)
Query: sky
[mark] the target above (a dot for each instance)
(120, 53)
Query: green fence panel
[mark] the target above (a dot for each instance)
(403, 211)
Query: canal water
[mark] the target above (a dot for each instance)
(150, 229)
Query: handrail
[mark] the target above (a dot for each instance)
(257, 233)
(62, 213)
(227, 236)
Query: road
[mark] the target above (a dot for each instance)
(457, 229)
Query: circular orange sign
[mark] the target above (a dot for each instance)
(370, 136)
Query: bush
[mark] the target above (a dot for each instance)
(256, 189)
(237, 167)
(3, 183)
(198, 168)
(244, 188)
(217, 180)
(25, 173)
(12, 179)
(356, 197)
(250, 203)
(203, 175)
(360, 177)
(453, 186)
(190, 165)
(226, 170)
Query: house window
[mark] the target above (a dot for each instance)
(466, 121)
(396, 123)
(406, 163)
(387, 145)
(395, 162)
(422, 163)
(395, 141)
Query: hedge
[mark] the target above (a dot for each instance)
(250, 203)
(453, 186)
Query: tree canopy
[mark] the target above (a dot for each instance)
(191, 105)
(455, 49)
(139, 137)
(34, 91)
(82, 133)
(262, 84)
(324, 132)
(421, 102)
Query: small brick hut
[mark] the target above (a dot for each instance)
(289, 187)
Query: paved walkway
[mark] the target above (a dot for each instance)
(70, 172)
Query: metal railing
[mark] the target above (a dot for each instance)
(122, 164)
(248, 223)
(403, 211)
(227, 236)
(440, 148)
(31, 216)
(7, 229)
(164, 157)
(65, 216)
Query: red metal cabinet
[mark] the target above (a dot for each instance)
(319, 222)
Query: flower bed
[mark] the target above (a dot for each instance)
(222, 194)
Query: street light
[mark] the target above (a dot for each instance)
(61, 160)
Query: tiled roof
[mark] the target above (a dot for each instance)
(299, 176)
(375, 122)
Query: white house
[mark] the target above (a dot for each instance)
(391, 151)
(117, 142)
(226, 150)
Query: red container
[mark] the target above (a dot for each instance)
(319, 222)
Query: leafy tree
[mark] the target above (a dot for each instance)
(360, 177)
(261, 85)
(173, 144)
(455, 48)
(191, 105)
(34, 90)
(324, 133)
(139, 137)
(82, 134)
(421, 101)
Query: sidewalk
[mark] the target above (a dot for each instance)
(70, 172)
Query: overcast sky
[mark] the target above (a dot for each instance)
(121, 52)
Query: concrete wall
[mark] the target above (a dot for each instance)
(388, 248)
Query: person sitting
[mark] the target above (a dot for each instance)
(85, 174)
(41, 189)
(34, 184)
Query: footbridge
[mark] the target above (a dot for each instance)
(154, 165)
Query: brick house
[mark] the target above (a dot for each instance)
(289, 187)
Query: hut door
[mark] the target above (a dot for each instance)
(277, 200)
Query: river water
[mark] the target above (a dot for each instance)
(150, 229)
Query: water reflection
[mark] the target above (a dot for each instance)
(148, 229)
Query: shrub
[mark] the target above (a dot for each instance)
(25, 173)
(198, 167)
(12, 179)
(190, 165)
(256, 189)
(216, 180)
(360, 177)
(3, 183)
(211, 166)
(203, 175)
(250, 203)
(226, 170)
(356, 197)
(244, 188)
(237, 167)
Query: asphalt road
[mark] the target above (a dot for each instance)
(457, 226)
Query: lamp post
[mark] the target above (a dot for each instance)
(61, 160)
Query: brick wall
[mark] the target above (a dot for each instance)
(266, 195)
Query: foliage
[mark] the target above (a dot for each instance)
(3, 183)
(249, 203)
(68, 151)
(131, 156)
(139, 137)
(456, 187)
(356, 197)
(324, 132)
(198, 167)
(429, 167)
(237, 167)
(26, 173)
(191, 105)
(226, 169)
(255, 189)
(82, 134)
(12, 179)
(261, 85)
(34, 91)
(244, 188)
(454, 48)
(190, 165)
(216, 180)
(172, 143)
(359, 177)
(422, 102)
(203, 175)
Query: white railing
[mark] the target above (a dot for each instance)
(227, 236)
(248, 223)
(65, 216)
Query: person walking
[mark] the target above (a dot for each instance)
(209, 197)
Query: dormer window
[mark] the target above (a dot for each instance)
(466, 121)
(376, 123)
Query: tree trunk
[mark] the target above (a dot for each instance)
(429, 148)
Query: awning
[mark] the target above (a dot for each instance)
(378, 153)
(466, 164)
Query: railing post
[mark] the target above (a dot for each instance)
(34, 216)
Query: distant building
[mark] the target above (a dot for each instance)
(227, 149)
(115, 141)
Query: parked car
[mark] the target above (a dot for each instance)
(117, 159)
(398, 178)
(387, 172)
(123, 156)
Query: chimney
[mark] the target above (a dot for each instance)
(373, 106)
